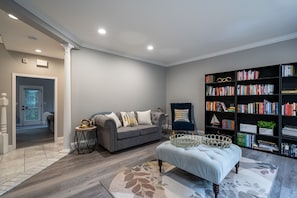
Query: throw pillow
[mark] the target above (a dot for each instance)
(144, 117)
(181, 115)
(129, 119)
(115, 118)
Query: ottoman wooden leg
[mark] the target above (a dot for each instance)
(160, 165)
(216, 189)
(236, 167)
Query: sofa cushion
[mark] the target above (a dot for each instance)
(144, 117)
(115, 118)
(147, 129)
(127, 132)
(129, 119)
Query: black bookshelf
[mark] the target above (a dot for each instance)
(235, 102)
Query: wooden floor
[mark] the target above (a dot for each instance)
(33, 136)
(80, 175)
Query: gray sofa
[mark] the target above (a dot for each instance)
(115, 139)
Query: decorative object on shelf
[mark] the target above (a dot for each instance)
(85, 123)
(265, 127)
(215, 140)
(209, 78)
(227, 79)
(215, 121)
(266, 124)
(185, 141)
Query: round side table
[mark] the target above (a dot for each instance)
(84, 139)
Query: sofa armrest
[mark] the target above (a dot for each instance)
(106, 132)
(158, 118)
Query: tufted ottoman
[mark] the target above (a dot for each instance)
(210, 163)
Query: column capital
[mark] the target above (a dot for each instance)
(67, 47)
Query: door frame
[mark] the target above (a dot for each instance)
(13, 102)
(21, 98)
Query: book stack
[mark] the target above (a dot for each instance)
(246, 140)
(257, 89)
(266, 146)
(289, 149)
(228, 124)
(289, 91)
(266, 107)
(220, 91)
(289, 109)
(247, 75)
(288, 70)
(290, 130)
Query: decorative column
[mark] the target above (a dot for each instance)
(3, 124)
(67, 98)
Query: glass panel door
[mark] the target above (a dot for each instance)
(31, 108)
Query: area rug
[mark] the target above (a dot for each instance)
(254, 179)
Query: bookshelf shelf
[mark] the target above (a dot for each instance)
(270, 90)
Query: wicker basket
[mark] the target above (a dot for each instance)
(185, 141)
(217, 141)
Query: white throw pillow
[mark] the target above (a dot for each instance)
(181, 115)
(115, 118)
(129, 119)
(144, 117)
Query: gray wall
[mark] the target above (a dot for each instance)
(104, 82)
(185, 83)
(10, 62)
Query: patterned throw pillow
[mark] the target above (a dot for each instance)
(181, 115)
(144, 117)
(115, 118)
(129, 119)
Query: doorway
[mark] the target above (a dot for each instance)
(34, 99)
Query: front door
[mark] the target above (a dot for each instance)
(31, 105)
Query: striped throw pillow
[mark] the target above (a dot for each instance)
(129, 119)
(181, 115)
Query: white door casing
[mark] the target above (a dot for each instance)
(13, 102)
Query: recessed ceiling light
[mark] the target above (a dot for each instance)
(38, 50)
(102, 31)
(13, 17)
(150, 47)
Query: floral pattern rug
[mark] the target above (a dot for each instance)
(254, 179)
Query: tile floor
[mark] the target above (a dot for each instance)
(18, 165)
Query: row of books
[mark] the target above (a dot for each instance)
(289, 109)
(247, 75)
(288, 70)
(289, 149)
(246, 140)
(257, 89)
(228, 124)
(266, 107)
(220, 91)
(215, 106)
(289, 130)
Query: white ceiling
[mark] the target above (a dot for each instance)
(20, 37)
(180, 30)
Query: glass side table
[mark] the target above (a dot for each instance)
(85, 139)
